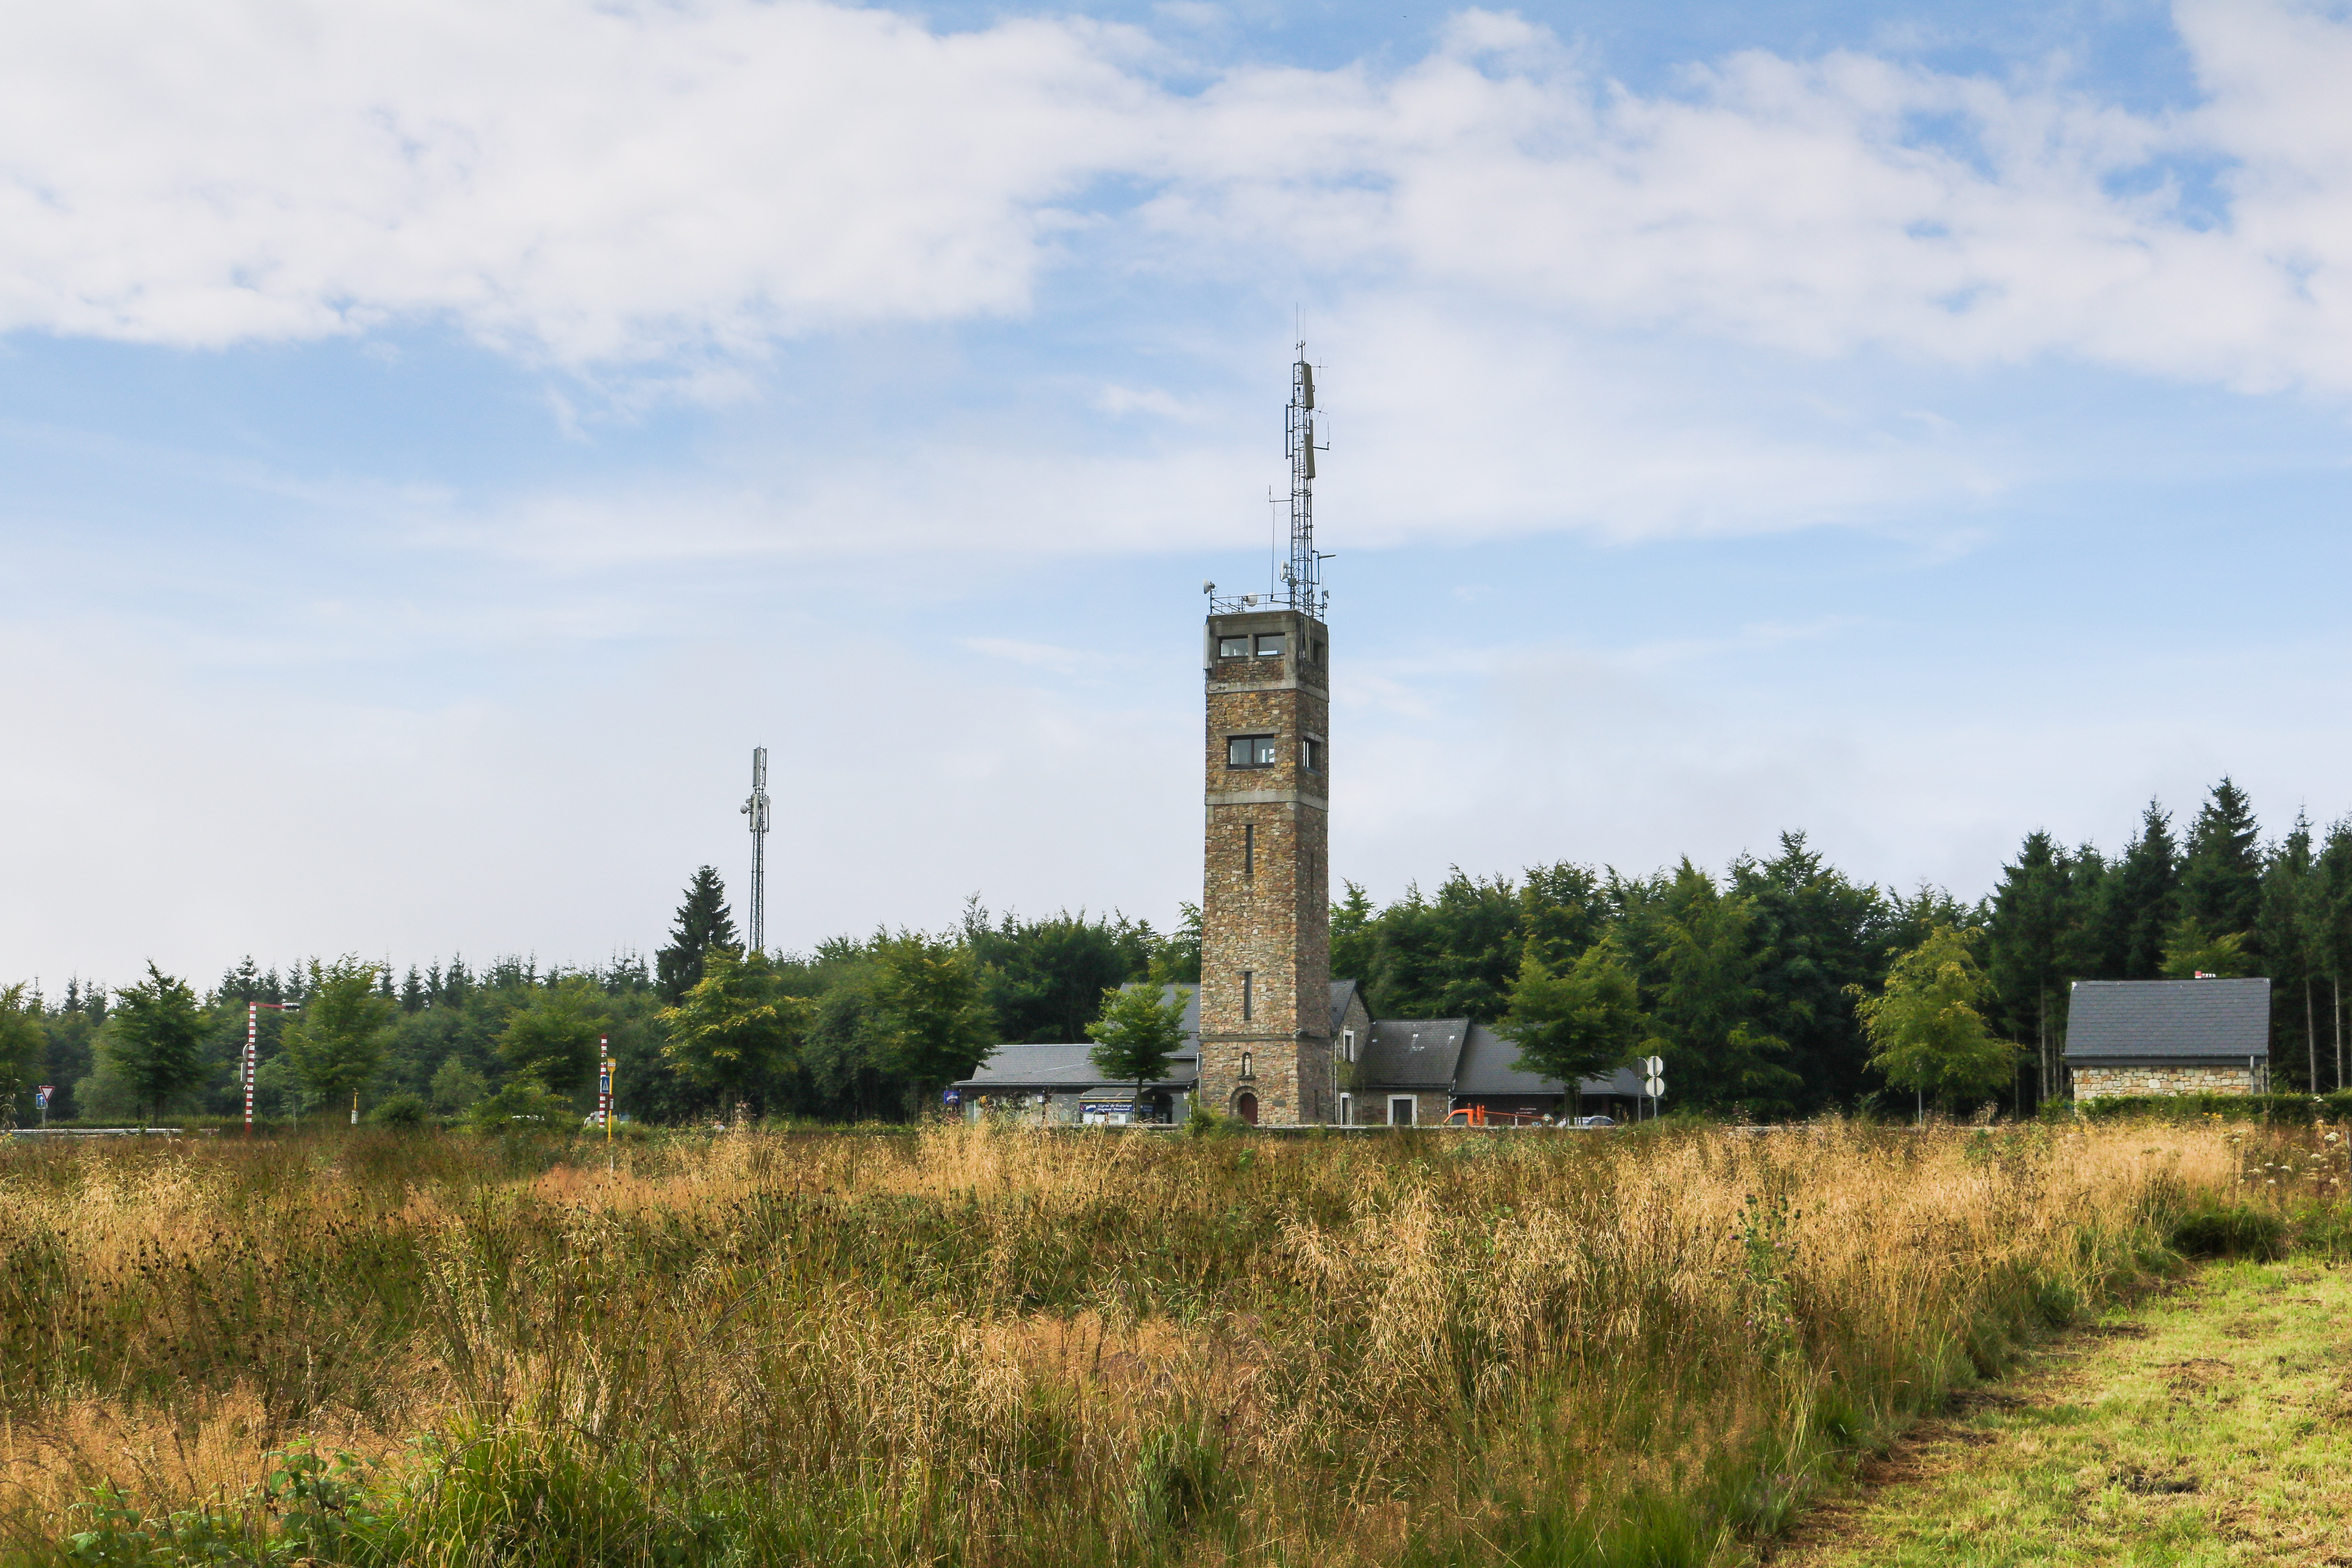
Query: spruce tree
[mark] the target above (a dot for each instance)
(704, 921)
(2221, 867)
(2140, 902)
(2025, 949)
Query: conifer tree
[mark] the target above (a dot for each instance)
(2221, 866)
(2026, 945)
(704, 921)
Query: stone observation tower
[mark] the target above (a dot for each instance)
(1266, 905)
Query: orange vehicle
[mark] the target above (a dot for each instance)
(1479, 1116)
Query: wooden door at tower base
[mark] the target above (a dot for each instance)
(1246, 1107)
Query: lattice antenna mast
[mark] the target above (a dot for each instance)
(1302, 574)
(756, 808)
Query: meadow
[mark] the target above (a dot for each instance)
(1004, 1347)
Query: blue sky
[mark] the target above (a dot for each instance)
(437, 442)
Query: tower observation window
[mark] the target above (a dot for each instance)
(1269, 644)
(1233, 647)
(1249, 751)
(1310, 751)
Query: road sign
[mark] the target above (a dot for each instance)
(1653, 1087)
(40, 1100)
(1653, 1067)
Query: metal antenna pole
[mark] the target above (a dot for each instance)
(1302, 575)
(756, 808)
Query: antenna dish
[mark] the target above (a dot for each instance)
(1207, 586)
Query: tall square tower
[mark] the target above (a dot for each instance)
(1266, 907)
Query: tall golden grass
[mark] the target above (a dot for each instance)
(997, 1346)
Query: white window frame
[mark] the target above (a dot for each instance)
(1409, 1103)
(1346, 1108)
(1347, 1045)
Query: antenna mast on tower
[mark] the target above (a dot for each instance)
(1302, 574)
(756, 808)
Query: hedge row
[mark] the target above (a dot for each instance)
(2292, 1108)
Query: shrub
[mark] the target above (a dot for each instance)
(2214, 1229)
(399, 1111)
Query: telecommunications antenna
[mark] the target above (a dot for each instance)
(756, 808)
(1302, 574)
(1299, 579)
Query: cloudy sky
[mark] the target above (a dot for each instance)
(438, 440)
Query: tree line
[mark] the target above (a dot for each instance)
(1776, 986)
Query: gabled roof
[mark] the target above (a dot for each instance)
(1064, 1067)
(1342, 993)
(1486, 1069)
(2172, 1020)
(1411, 1053)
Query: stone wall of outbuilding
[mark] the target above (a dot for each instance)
(2151, 1078)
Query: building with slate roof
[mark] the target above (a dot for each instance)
(1389, 1072)
(2168, 1036)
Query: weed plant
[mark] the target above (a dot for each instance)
(989, 1346)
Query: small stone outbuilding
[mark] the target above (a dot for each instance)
(2169, 1036)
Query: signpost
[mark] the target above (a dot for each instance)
(604, 1083)
(1653, 1081)
(41, 1100)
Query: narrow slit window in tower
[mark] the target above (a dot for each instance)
(1246, 978)
(1249, 850)
(1311, 753)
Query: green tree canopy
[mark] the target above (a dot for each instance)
(704, 922)
(1137, 1035)
(733, 1026)
(2189, 951)
(1709, 1013)
(2221, 865)
(1927, 1030)
(154, 1038)
(335, 1043)
(930, 1015)
(22, 1044)
(1578, 1024)
(551, 1039)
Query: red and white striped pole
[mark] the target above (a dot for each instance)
(252, 1051)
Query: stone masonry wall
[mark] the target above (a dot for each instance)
(2112, 1082)
(1265, 890)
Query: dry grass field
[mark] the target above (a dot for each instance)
(986, 1346)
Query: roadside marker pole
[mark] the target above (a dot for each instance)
(252, 1056)
(604, 1083)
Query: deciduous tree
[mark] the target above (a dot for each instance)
(733, 1026)
(154, 1037)
(335, 1043)
(1927, 1028)
(1577, 1023)
(1137, 1035)
(930, 1017)
(551, 1039)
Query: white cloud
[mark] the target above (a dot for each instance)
(608, 183)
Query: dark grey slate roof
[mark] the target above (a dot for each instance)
(1486, 1070)
(2169, 1020)
(1342, 991)
(1064, 1067)
(1411, 1053)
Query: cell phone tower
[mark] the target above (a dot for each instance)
(1302, 574)
(756, 808)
